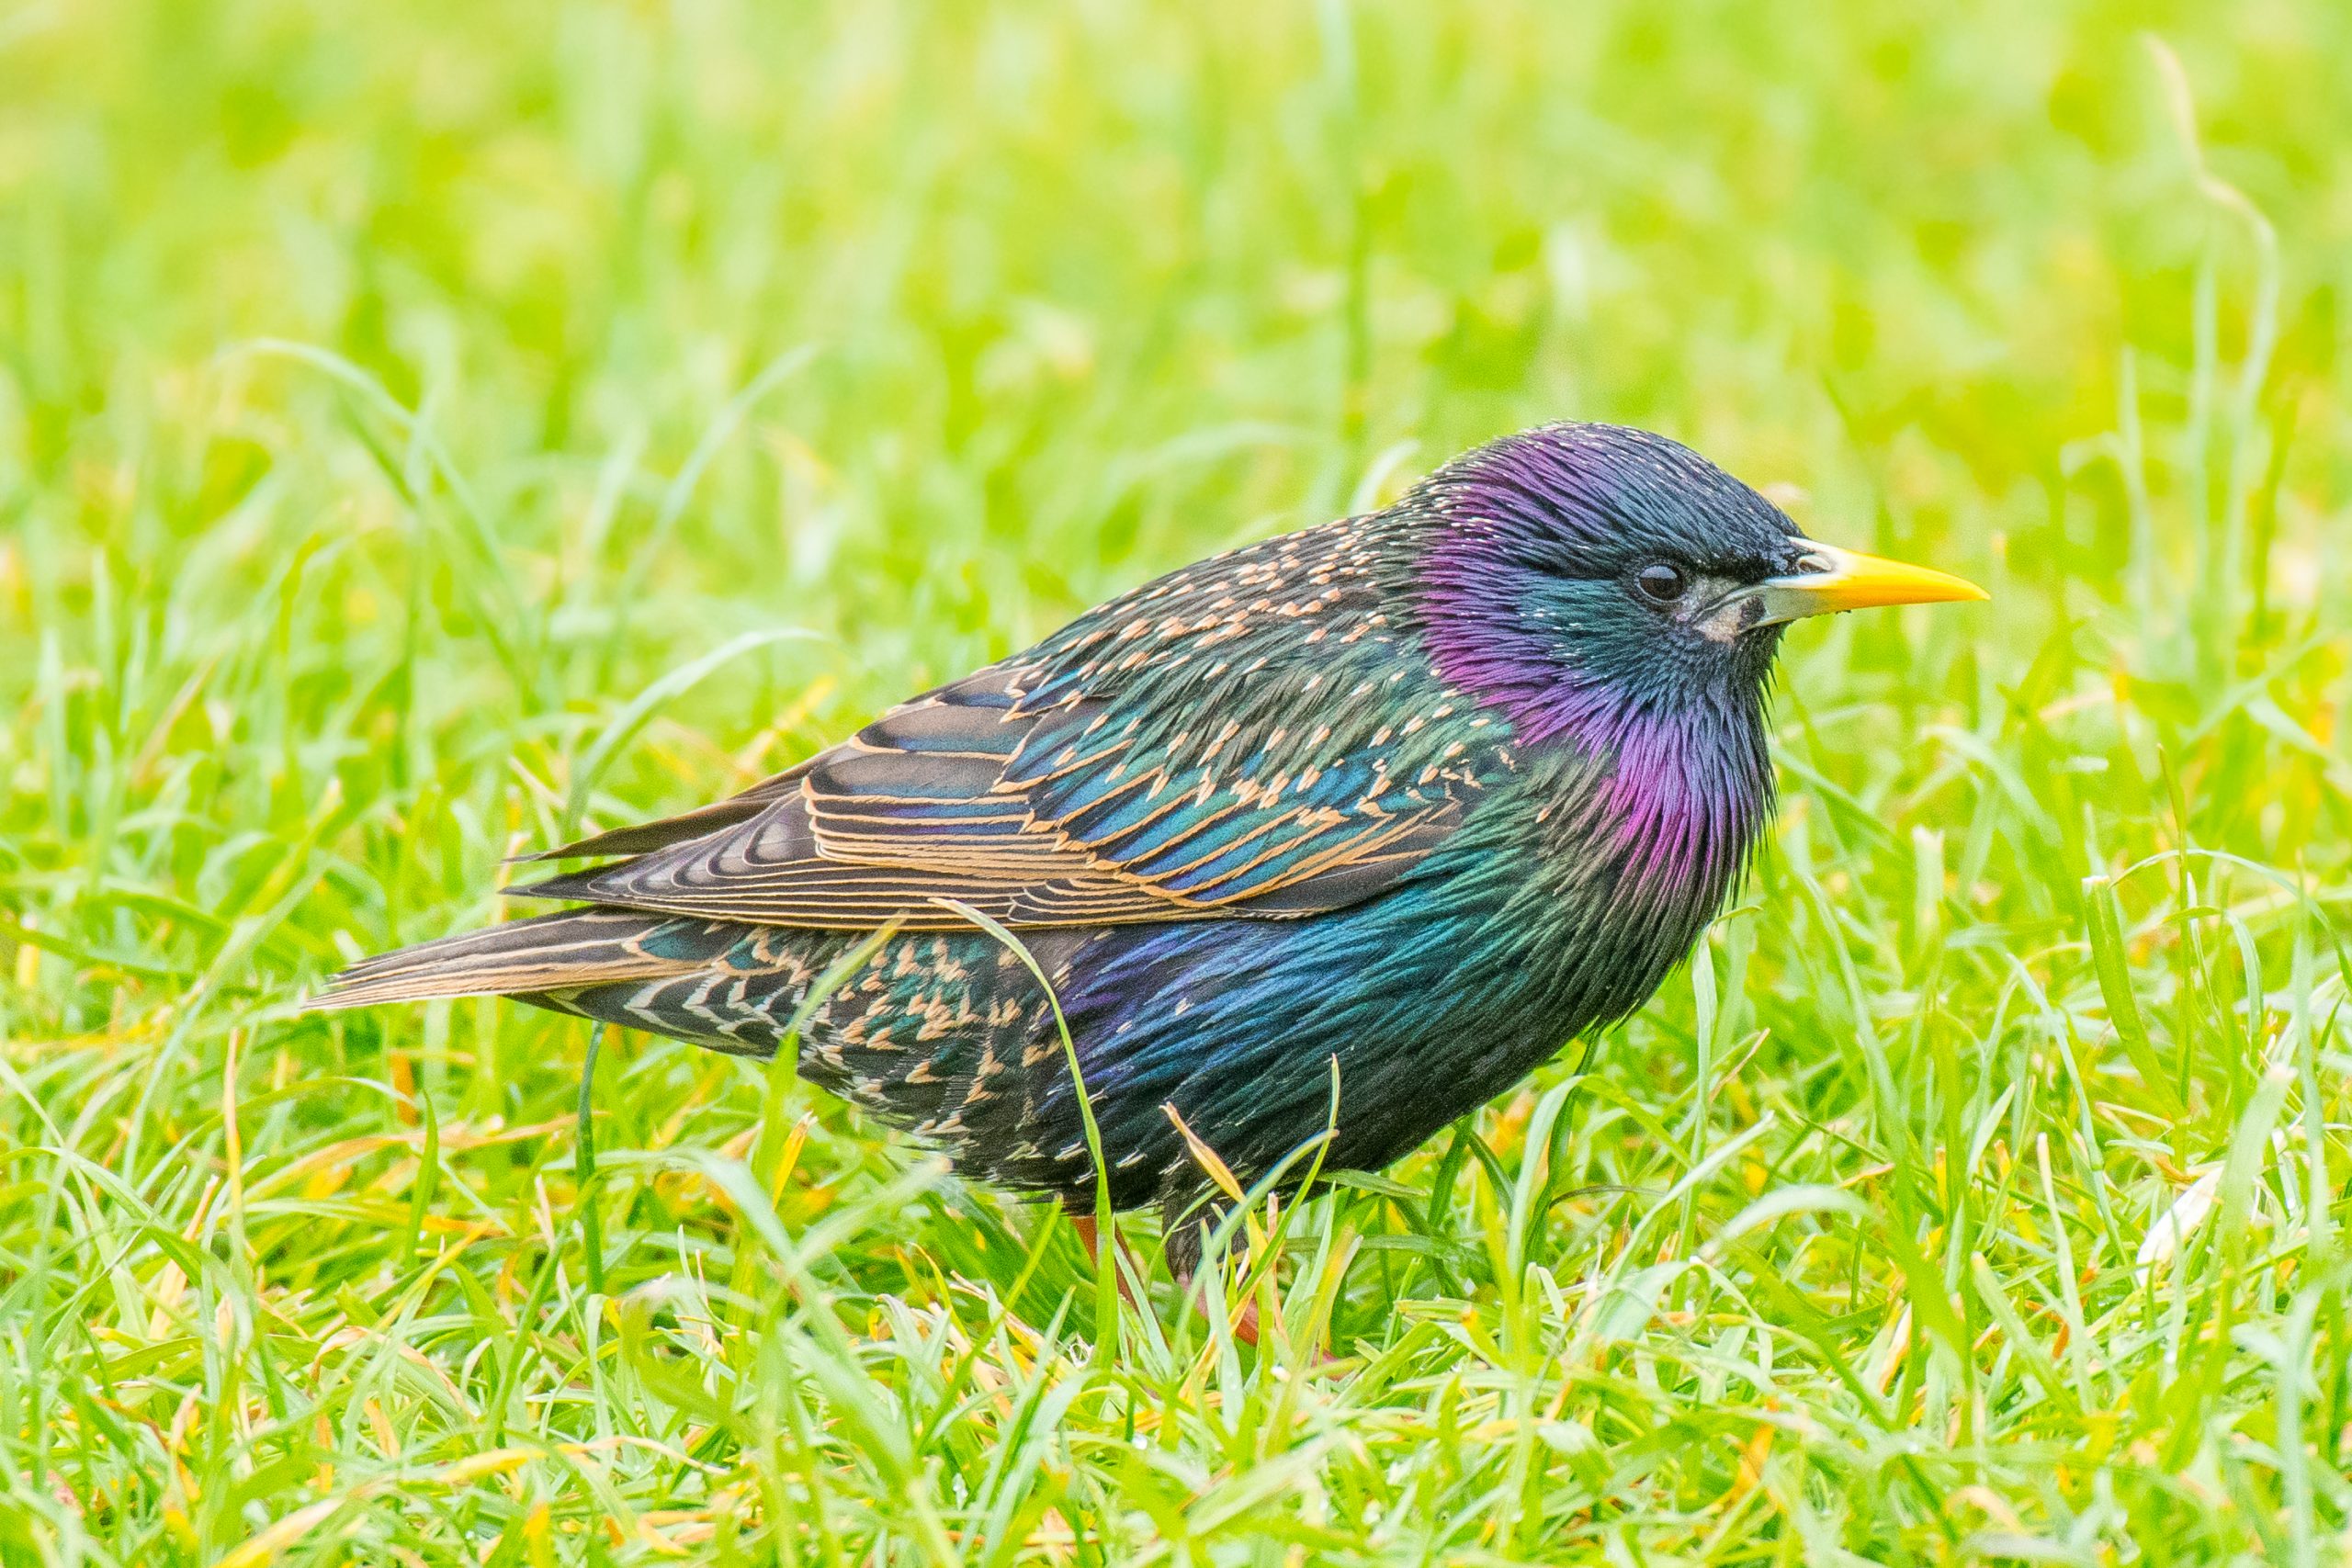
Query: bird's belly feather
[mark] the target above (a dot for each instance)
(1430, 999)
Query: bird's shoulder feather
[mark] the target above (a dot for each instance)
(1257, 735)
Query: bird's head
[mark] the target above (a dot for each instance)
(1595, 581)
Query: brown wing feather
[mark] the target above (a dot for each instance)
(1086, 785)
(861, 840)
(581, 947)
(644, 838)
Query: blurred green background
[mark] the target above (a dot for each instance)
(427, 428)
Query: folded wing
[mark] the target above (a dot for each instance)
(1192, 750)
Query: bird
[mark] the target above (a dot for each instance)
(1323, 842)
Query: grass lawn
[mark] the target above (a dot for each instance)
(426, 429)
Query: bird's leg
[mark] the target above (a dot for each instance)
(1184, 1238)
(1090, 1237)
(1183, 1261)
(1245, 1328)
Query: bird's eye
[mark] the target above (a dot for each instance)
(1662, 582)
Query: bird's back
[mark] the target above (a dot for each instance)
(1244, 822)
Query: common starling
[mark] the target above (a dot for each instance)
(1425, 793)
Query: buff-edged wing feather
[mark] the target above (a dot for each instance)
(1140, 767)
(582, 947)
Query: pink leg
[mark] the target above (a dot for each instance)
(1245, 1328)
(1090, 1238)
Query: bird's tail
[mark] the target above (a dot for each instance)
(551, 952)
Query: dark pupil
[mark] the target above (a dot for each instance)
(1662, 582)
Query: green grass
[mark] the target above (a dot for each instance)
(425, 428)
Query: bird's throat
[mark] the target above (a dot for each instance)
(1637, 831)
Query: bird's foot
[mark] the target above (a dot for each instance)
(1244, 1324)
(1090, 1237)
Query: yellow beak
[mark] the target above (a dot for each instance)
(1848, 580)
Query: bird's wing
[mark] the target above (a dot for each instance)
(1073, 816)
(644, 838)
(1078, 784)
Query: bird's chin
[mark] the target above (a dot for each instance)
(1730, 618)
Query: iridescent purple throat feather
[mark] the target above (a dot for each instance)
(1513, 616)
(1404, 801)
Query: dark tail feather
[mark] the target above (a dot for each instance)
(551, 952)
(644, 838)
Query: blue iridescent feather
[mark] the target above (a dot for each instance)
(1427, 794)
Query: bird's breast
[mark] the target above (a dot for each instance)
(1618, 860)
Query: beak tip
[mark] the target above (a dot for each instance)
(1848, 580)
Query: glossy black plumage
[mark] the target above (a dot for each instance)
(1423, 794)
